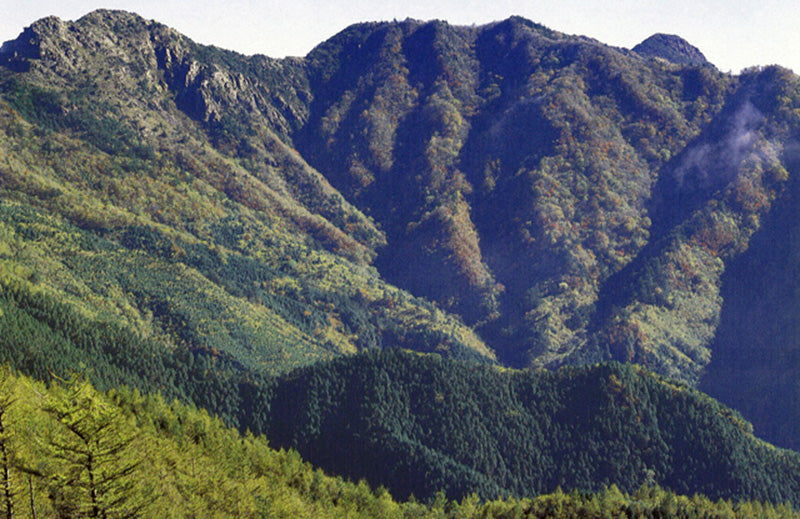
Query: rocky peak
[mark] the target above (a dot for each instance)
(15, 54)
(111, 17)
(100, 43)
(671, 48)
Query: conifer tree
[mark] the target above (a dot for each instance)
(94, 455)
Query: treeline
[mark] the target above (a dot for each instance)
(68, 451)
(419, 424)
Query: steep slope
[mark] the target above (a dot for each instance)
(419, 423)
(129, 196)
(663, 309)
(510, 165)
(755, 366)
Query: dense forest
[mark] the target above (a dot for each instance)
(69, 451)
(246, 235)
(420, 424)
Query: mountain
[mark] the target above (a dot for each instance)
(131, 224)
(571, 201)
(181, 218)
(530, 185)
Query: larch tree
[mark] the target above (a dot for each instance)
(94, 454)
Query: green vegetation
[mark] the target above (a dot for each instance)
(69, 451)
(671, 48)
(181, 219)
(754, 365)
(663, 309)
(438, 424)
(140, 224)
(511, 168)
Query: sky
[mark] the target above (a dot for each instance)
(733, 34)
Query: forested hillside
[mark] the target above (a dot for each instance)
(69, 451)
(221, 229)
(571, 200)
(418, 424)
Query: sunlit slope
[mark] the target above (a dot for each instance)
(131, 210)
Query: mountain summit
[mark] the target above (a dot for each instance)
(671, 48)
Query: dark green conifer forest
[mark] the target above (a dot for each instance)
(420, 424)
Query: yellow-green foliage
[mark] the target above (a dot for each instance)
(156, 460)
(612, 503)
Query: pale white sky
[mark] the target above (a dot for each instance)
(733, 34)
